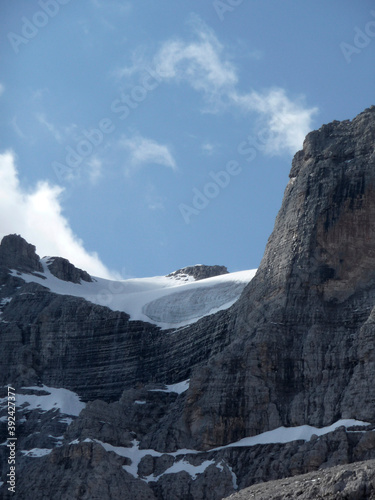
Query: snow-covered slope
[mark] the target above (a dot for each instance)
(165, 301)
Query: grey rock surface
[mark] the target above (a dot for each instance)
(198, 272)
(64, 270)
(345, 482)
(17, 253)
(68, 342)
(85, 471)
(303, 351)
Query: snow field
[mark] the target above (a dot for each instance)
(164, 301)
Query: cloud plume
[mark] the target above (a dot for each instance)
(37, 216)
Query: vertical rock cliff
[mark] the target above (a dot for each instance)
(304, 345)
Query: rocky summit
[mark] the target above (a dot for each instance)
(199, 272)
(254, 380)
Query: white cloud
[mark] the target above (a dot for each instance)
(2, 89)
(143, 151)
(203, 65)
(37, 216)
(287, 121)
(198, 62)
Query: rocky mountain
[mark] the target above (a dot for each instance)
(199, 272)
(212, 384)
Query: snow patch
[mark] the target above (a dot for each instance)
(66, 401)
(221, 466)
(66, 420)
(36, 452)
(59, 439)
(5, 301)
(288, 434)
(179, 388)
(234, 477)
(136, 455)
(182, 465)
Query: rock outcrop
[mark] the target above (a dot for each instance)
(83, 471)
(349, 482)
(199, 272)
(297, 349)
(64, 270)
(17, 253)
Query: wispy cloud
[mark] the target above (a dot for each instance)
(37, 215)
(199, 63)
(52, 129)
(143, 151)
(203, 64)
(2, 88)
(287, 121)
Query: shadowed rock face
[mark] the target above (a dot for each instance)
(297, 348)
(16, 253)
(304, 345)
(64, 270)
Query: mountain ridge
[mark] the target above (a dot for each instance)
(295, 348)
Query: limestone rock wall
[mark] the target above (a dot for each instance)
(303, 350)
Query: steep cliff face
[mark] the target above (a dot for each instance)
(15, 252)
(304, 345)
(297, 348)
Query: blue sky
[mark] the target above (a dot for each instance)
(140, 137)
